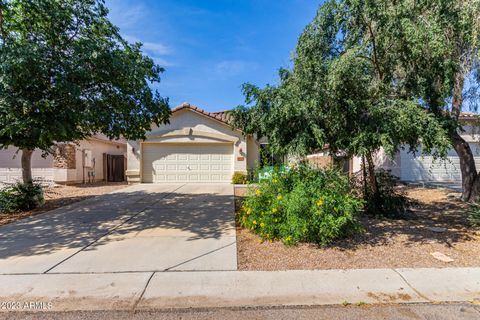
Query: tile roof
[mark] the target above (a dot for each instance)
(222, 116)
(469, 116)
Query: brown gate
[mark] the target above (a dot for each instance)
(115, 168)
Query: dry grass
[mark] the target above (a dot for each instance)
(60, 195)
(385, 243)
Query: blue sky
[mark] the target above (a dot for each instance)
(210, 48)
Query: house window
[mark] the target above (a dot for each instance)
(268, 158)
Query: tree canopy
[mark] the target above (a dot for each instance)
(66, 74)
(368, 75)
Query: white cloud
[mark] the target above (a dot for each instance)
(155, 50)
(233, 67)
(124, 14)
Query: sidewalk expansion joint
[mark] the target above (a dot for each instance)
(143, 292)
(113, 229)
(421, 295)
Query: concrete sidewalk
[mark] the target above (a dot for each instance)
(204, 289)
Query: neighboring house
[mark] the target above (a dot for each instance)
(93, 159)
(196, 146)
(418, 167)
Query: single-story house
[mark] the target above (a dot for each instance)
(418, 167)
(196, 146)
(94, 159)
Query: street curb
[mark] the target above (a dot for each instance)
(230, 289)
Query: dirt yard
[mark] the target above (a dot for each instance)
(437, 225)
(60, 195)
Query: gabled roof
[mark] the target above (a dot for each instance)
(221, 116)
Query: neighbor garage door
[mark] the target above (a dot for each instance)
(165, 162)
(426, 168)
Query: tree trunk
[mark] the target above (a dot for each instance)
(371, 174)
(364, 171)
(467, 164)
(27, 166)
(470, 180)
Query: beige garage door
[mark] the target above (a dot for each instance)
(165, 162)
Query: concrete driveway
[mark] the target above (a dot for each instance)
(144, 227)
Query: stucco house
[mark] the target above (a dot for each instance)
(418, 167)
(95, 159)
(196, 146)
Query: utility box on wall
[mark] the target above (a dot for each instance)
(88, 158)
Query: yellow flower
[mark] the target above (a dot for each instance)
(249, 210)
(254, 221)
(262, 224)
(260, 241)
(279, 197)
(274, 210)
(258, 192)
(274, 180)
(320, 202)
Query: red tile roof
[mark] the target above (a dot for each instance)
(221, 116)
(469, 116)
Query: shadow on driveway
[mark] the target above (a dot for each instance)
(202, 215)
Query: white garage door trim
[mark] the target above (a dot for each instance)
(187, 162)
(426, 168)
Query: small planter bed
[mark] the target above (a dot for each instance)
(437, 223)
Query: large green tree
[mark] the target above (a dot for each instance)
(343, 92)
(66, 74)
(438, 54)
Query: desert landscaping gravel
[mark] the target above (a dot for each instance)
(436, 224)
(61, 195)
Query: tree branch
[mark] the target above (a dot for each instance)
(375, 55)
(459, 82)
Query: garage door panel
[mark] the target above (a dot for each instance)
(426, 168)
(187, 162)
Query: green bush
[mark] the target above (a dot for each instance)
(20, 197)
(239, 178)
(474, 214)
(302, 205)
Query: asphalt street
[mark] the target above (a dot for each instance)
(363, 312)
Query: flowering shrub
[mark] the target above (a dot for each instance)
(239, 178)
(20, 197)
(302, 205)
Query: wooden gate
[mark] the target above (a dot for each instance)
(115, 168)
